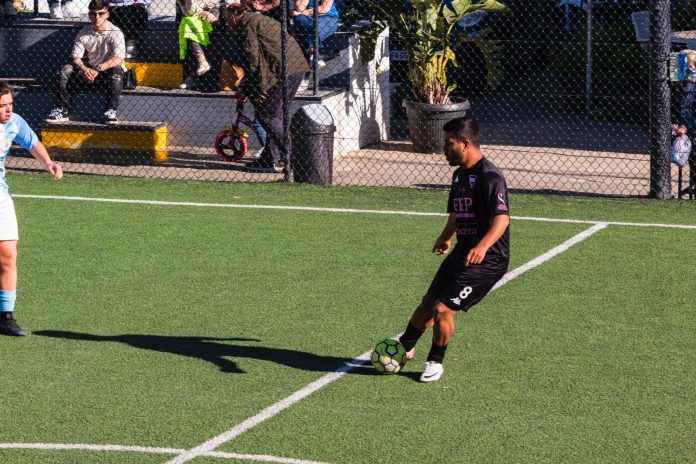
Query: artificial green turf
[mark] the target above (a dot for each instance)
(583, 359)
(73, 456)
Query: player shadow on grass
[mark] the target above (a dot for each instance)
(209, 349)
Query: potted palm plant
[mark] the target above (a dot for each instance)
(425, 30)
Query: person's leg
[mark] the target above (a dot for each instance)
(260, 132)
(8, 267)
(328, 25)
(304, 31)
(267, 114)
(112, 79)
(66, 75)
(443, 329)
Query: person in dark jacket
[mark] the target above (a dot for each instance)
(260, 39)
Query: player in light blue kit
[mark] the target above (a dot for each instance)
(13, 129)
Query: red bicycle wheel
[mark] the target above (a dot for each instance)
(230, 145)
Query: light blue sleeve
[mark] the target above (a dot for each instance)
(26, 138)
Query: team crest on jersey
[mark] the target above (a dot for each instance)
(502, 206)
(472, 180)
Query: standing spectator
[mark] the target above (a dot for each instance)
(13, 129)
(194, 32)
(63, 9)
(303, 16)
(131, 17)
(479, 217)
(260, 38)
(105, 48)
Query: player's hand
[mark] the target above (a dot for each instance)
(475, 255)
(55, 170)
(441, 246)
(90, 74)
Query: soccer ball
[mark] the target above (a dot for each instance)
(389, 356)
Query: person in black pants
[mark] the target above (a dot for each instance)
(260, 37)
(105, 49)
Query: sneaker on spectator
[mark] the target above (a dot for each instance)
(262, 166)
(70, 10)
(56, 11)
(9, 326)
(432, 372)
(320, 63)
(57, 115)
(189, 83)
(203, 68)
(131, 49)
(110, 117)
(257, 154)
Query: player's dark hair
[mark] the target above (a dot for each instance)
(462, 129)
(5, 88)
(96, 5)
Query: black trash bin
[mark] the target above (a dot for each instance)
(312, 130)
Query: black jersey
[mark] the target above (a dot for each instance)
(477, 195)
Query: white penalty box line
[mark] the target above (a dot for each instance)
(330, 210)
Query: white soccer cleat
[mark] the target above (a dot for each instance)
(410, 354)
(432, 372)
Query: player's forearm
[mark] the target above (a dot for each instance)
(498, 226)
(39, 152)
(450, 227)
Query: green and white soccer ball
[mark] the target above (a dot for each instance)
(389, 356)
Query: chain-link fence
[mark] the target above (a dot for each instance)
(561, 89)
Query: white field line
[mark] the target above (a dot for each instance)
(331, 210)
(276, 408)
(145, 449)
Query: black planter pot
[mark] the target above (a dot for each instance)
(425, 123)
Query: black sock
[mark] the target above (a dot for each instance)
(410, 337)
(437, 353)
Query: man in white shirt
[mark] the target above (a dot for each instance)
(105, 47)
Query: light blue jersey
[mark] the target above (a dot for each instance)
(18, 131)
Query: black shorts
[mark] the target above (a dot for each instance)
(460, 287)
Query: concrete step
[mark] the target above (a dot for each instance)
(145, 138)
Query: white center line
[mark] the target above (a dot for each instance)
(275, 409)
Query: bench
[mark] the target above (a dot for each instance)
(140, 138)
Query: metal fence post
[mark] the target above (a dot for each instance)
(660, 100)
(286, 97)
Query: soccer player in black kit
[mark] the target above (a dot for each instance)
(479, 216)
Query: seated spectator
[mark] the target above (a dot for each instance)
(303, 17)
(63, 9)
(131, 17)
(106, 49)
(194, 32)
